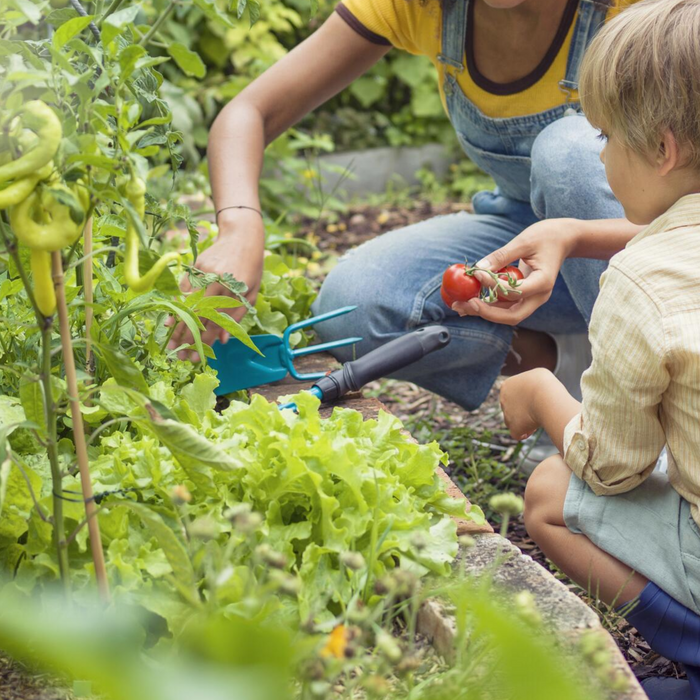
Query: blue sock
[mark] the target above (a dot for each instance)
(670, 628)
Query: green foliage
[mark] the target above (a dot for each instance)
(463, 181)
(502, 651)
(479, 470)
(284, 299)
(322, 487)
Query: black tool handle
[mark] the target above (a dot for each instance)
(382, 361)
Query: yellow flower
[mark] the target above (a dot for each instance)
(309, 174)
(336, 644)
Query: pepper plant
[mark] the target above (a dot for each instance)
(82, 126)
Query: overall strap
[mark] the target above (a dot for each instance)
(454, 33)
(591, 15)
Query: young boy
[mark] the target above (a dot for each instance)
(602, 513)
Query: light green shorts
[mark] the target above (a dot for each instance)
(649, 528)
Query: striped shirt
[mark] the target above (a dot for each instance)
(642, 389)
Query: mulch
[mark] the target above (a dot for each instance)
(17, 682)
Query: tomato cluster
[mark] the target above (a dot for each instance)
(459, 283)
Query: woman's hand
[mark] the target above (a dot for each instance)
(541, 249)
(238, 250)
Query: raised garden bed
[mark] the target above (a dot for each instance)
(492, 555)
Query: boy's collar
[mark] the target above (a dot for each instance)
(685, 212)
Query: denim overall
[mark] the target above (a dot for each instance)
(545, 165)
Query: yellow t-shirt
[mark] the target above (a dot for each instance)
(416, 26)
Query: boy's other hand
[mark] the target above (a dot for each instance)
(517, 403)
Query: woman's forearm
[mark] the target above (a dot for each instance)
(235, 152)
(599, 238)
(320, 67)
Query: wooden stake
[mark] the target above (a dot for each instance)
(87, 286)
(78, 429)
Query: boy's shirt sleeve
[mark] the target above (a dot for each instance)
(613, 444)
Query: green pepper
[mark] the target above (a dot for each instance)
(44, 292)
(44, 224)
(42, 120)
(20, 189)
(41, 222)
(136, 194)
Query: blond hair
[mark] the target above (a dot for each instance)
(641, 76)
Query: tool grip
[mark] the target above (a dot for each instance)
(382, 361)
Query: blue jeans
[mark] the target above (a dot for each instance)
(395, 279)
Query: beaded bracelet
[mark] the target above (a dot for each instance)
(237, 206)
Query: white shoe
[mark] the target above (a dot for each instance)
(573, 359)
(535, 449)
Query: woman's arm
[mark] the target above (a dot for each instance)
(542, 248)
(320, 67)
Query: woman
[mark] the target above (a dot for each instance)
(508, 74)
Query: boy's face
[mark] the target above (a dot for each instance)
(634, 182)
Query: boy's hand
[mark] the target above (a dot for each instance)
(517, 394)
(541, 250)
(537, 399)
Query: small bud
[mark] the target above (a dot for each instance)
(376, 685)
(358, 613)
(388, 646)
(277, 560)
(180, 495)
(506, 504)
(406, 582)
(287, 584)
(243, 518)
(419, 541)
(203, 529)
(466, 542)
(313, 669)
(384, 585)
(526, 607)
(352, 560)
(320, 688)
(409, 664)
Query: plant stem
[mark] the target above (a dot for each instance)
(59, 531)
(114, 6)
(157, 24)
(78, 430)
(504, 525)
(46, 326)
(89, 297)
(168, 337)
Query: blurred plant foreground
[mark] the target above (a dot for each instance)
(158, 543)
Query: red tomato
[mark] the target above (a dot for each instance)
(509, 272)
(457, 285)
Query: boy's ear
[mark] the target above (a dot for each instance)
(668, 156)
